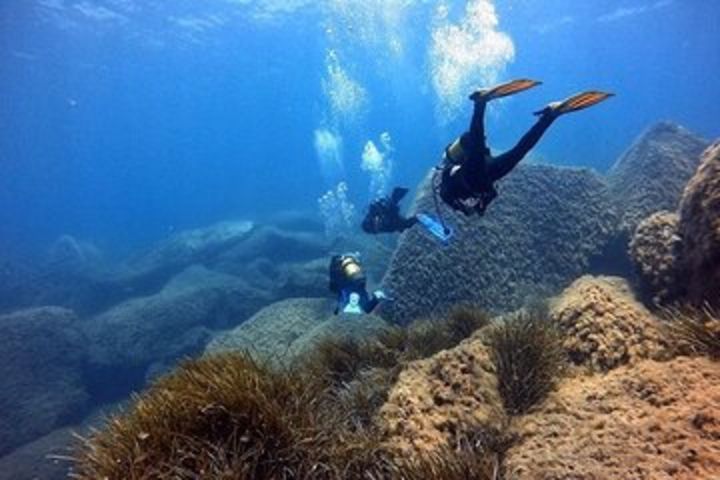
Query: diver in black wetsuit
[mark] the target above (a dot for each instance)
(383, 214)
(468, 171)
(348, 282)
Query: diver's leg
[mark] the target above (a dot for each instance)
(498, 167)
(474, 140)
(474, 144)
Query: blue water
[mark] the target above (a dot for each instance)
(123, 121)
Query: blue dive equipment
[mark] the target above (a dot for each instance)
(437, 229)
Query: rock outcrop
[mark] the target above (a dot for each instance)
(605, 326)
(437, 400)
(699, 227)
(175, 322)
(540, 234)
(148, 272)
(41, 374)
(285, 330)
(652, 173)
(678, 255)
(38, 460)
(651, 420)
(654, 250)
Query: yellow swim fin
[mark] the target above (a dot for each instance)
(576, 102)
(504, 89)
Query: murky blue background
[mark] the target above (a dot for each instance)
(123, 121)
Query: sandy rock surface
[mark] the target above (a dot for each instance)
(655, 249)
(604, 325)
(699, 227)
(650, 421)
(438, 398)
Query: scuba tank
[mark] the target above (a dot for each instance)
(345, 272)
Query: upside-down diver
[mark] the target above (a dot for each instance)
(465, 178)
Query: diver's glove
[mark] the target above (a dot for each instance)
(381, 295)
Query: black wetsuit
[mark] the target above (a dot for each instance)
(467, 183)
(384, 215)
(346, 282)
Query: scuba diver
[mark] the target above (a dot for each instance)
(468, 171)
(348, 282)
(383, 216)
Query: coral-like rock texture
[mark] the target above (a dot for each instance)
(539, 234)
(285, 330)
(439, 398)
(700, 229)
(652, 173)
(654, 249)
(41, 381)
(648, 421)
(605, 326)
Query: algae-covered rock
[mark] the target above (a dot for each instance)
(438, 399)
(174, 322)
(650, 420)
(604, 325)
(654, 249)
(39, 458)
(283, 331)
(148, 272)
(539, 235)
(699, 227)
(41, 382)
(652, 173)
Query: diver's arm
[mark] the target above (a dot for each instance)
(406, 223)
(370, 302)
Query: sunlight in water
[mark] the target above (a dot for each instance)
(466, 54)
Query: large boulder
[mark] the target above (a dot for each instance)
(678, 255)
(437, 399)
(45, 458)
(288, 329)
(275, 244)
(149, 271)
(604, 326)
(654, 249)
(41, 374)
(69, 274)
(652, 173)
(651, 421)
(174, 322)
(541, 233)
(699, 227)
(73, 273)
(50, 456)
